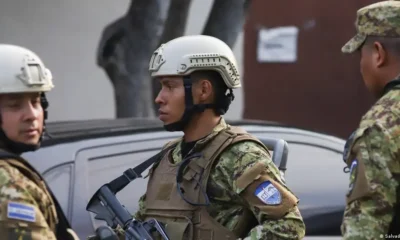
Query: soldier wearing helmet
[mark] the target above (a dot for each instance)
(372, 153)
(28, 208)
(217, 181)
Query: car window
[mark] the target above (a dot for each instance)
(105, 169)
(59, 180)
(315, 175)
(312, 167)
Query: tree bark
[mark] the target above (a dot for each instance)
(124, 53)
(226, 20)
(174, 27)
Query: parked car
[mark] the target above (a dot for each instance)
(80, 156)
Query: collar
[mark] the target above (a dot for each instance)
(391, 85)
(222, 125)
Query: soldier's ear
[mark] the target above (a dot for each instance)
(204, 88)
(379, 54)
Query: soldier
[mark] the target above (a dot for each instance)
(217, 181)
(28, 210)
(372, 152)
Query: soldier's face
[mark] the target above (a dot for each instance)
(171, 99)
(368, 69)
(376, 66)
(22, 117)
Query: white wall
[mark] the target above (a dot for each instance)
(65, 34)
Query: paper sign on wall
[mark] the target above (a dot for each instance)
(277, 44)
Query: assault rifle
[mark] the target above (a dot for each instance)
(108, 208)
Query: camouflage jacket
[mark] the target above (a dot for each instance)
(27, 209)
(374, 162)
(227, 198)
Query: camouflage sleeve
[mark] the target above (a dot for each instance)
(257, 180)
(20, 216)
(139, 213)
(372, 187)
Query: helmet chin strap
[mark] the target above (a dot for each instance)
(190, 108)
(18, 147)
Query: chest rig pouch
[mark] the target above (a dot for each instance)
(176, 193)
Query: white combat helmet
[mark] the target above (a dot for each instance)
(181, 56)
(21, 70)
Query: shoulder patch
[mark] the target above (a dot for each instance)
(353, 138)
(21, 211)
(268, 193)
(346, 150)
(353, 174)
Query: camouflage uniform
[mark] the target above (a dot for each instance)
(27, 209)
(226, 195)
(372, 152)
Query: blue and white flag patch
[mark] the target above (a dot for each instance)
(268, 193)
(21, 211)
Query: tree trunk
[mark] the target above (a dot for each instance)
(124, 53)
(226, 20)
(174, 27)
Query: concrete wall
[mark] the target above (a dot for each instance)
(65, 34)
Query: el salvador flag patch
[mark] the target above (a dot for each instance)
(268, 194)
(21, 212)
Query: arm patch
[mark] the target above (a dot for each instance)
(21, 211)
(269, 197)
(268, 193)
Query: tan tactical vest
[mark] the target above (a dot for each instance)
(185, 221)
(46, 204)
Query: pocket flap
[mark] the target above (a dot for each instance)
(176, 230)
